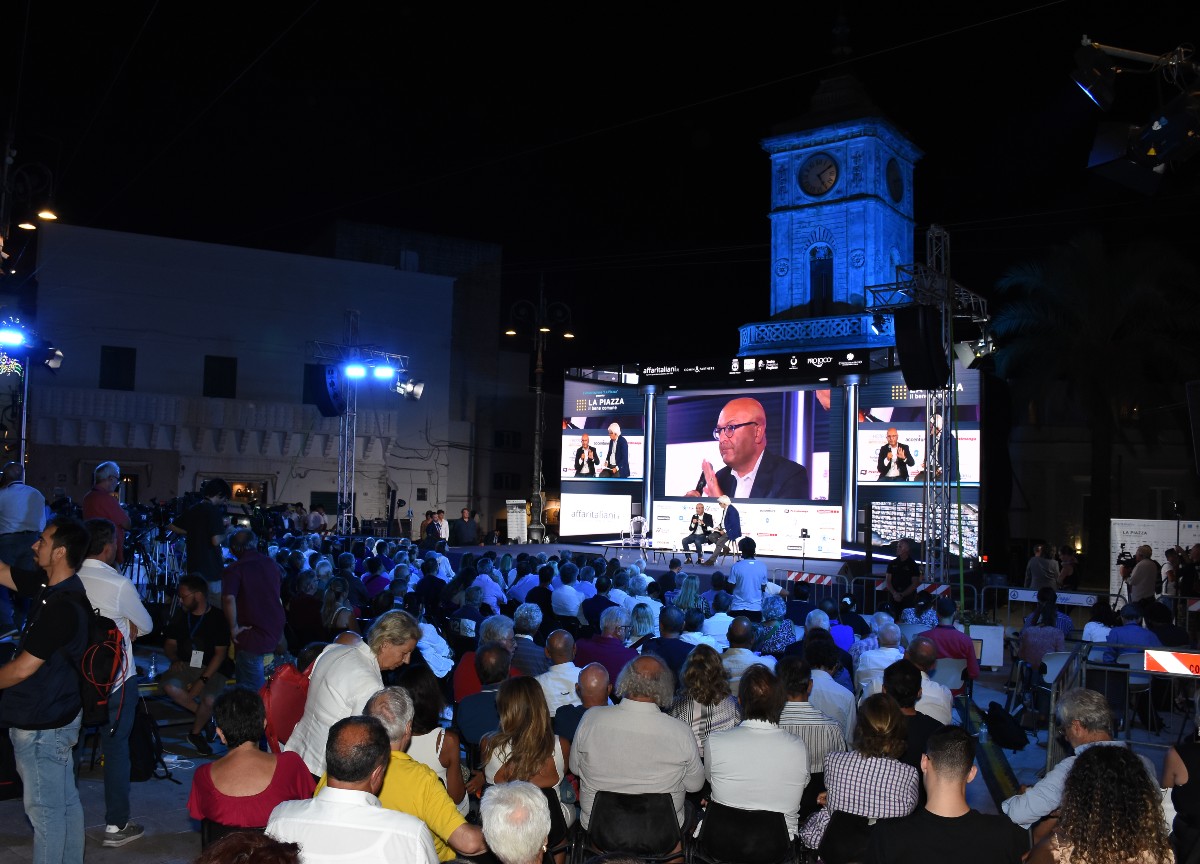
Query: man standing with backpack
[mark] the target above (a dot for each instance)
(116, 598)
(41, 704)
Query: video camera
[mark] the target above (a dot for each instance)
(1124, 557)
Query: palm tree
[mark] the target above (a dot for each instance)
(1110, 327)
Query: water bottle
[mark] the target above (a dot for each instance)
(153, 664)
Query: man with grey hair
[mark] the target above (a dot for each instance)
(872, 663)
(101, 503)
(1085, 718)
(558, 682)
(516, 822)
(871, 641)
(528, 657)
(633, 747)
(495, 628)
(412, 787)
(608, 647)
(616, 460)
(936, 700)
(740, 656)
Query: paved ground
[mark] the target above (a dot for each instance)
(161, 805)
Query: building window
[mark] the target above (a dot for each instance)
(117, 367)
(506, 481)
(506, 439)
(220, 377)
(820, 280)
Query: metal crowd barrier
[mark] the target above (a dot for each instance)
(870, 592)
(1018, 603)
(820, 585)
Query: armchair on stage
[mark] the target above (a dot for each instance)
(637, 535)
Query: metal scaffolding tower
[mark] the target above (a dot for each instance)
(929, 284)
(351, 352)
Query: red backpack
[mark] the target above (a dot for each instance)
(284, 695)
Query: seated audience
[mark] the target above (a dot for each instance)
(526, 748)
(1110, 813)
(827, 695)
(1041, 638)
(345, 821)
(608, 647)
(717, 625)
(740, 655)
(593, 688)
(430, 743)
(946, 825)
(870, 664)
(345, 677)
(516, 822)
(633, 747)
(668, 645)
(495, 628)
(558, 682)
(869, 780)
(757, 766)
(705, 701)
(242, 787)
(935, 701)
(477, 715)
(820, 733)
(528, 656)
(641, 626)
(693, 629)
(776, 632)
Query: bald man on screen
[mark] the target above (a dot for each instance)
(750, 471)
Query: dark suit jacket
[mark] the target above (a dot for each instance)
(581, 460)
(904, 458)
(777, 478)
(621, 456)
(708, 524)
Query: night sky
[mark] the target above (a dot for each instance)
(613, 150)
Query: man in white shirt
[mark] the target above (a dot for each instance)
(22, 518)
(871, 664)
(717, 626)
(828, 696)
(558, 682)
(936, 700)
(345, 821)
(116, 598)
(739, 657)
(566, 599)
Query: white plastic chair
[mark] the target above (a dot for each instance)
(949, 672)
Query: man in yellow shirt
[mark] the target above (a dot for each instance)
(412, 787)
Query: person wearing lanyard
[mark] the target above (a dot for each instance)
(196, 642)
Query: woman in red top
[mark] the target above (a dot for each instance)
(242, 787)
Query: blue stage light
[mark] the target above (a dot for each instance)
(383, 372)
(10, 336)
(356, 370)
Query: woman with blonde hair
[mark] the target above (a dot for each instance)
(641, 625)
(689, 597)
(705, 701)
(526, 748)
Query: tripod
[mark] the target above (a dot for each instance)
(155, 570)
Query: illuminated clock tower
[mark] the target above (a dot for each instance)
(841, 211)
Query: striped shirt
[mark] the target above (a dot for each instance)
(820, 733)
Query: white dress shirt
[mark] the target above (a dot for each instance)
(347, 826)
(758, 766)
(558, 684)
(834, 700)
(116, 598)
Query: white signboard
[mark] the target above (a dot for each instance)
(583, 514)
(518, 525)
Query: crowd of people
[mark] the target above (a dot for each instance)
(484, 707)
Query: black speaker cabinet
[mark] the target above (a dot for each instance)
(321, 389)
(923, 359)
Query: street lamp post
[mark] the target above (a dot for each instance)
(543, 317)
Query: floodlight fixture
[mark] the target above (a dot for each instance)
(1095, 75)
(11, 336)
(877, 324)
(356, 370)
(410, 390)
(384, 372)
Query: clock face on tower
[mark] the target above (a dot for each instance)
(818, 174)
(895, 180)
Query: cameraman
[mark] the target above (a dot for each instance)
(203, 527)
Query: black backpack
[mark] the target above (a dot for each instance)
(145, 747)
(1004, 729)
(103, 661)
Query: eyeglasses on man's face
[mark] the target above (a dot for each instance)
(728, 430)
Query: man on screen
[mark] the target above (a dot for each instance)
(616, 462)
(750, 471)
(586, 458)
(894, 458)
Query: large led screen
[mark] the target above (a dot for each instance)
(756, 445)
(603, 431)
(777, 528)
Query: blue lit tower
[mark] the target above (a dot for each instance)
(841, 220)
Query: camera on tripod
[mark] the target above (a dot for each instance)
(1124, 557)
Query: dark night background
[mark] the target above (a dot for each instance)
(612, 150)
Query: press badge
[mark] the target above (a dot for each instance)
(197, 659)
